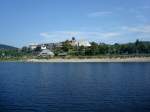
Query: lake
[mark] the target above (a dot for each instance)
(74, 87)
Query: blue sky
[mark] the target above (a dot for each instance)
(110, 21)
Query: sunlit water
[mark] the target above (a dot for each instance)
(74, 87)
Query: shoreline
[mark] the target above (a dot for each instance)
(75, 60)
(84, 60)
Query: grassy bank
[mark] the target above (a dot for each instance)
(102, 57)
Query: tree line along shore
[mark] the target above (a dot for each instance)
(94, 51)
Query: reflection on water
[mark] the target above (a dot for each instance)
(75, 87)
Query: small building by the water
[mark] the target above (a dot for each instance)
(46, 52)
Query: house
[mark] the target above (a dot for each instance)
(46, 52)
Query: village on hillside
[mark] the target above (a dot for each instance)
(48, 49)
(76, 49)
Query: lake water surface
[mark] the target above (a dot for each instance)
(74, 87)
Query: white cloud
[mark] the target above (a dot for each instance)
(59, 34)
(140, 29)
(44, 34)
(99, 13)
(91, 36)
(141, 18)
(145, 7)
(110, 34)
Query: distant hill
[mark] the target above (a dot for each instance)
(7, 47)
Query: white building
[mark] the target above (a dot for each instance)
(81, 43)
(84, 43)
